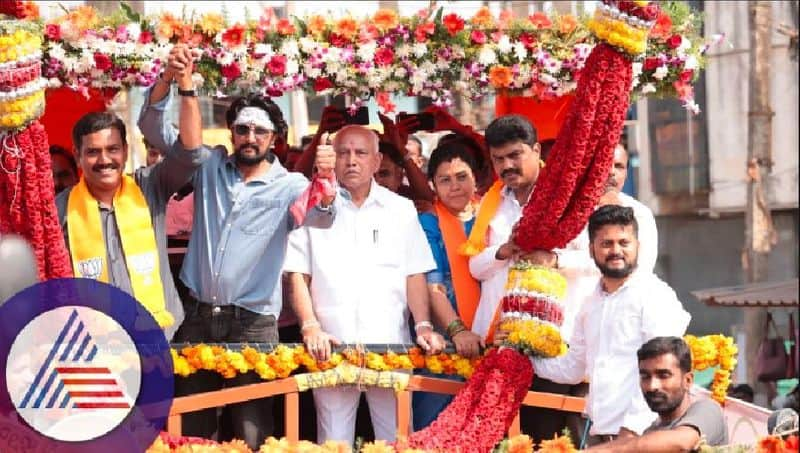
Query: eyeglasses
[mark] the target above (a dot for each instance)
(243, 129)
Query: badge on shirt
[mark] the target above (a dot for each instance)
(91, 268)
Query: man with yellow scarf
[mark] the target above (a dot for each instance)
(114, 223)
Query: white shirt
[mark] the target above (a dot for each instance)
(581, 272)
(609, 329)
(491, 272)
(359, 265)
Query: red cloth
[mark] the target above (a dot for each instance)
(546, 116)
(320, 187)
(64, 107)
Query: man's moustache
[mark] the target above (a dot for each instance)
(510, 171)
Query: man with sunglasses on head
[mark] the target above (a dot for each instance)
(239, 236)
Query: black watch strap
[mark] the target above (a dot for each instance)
(187, 93)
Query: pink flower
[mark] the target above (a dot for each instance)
(145, 37)
(384, 56)
(122, 34)
(52, 32)
(674, 41)
(277, 65)
(478, 37)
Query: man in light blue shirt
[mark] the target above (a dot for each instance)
(241, 221)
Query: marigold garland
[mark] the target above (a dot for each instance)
(284, 360)
(710, 351)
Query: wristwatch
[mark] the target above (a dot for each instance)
(191, 93)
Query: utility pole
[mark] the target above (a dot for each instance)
(759, 234)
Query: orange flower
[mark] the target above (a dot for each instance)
(385, 19)
(346, 27)
(30, 10)
(500, 76)
(285, 27)
(540, 20)
(316, 25)
(233, 36)
(504, 21)
(567, 23)
(423, 30)
(770, 444)
(483, 18)
(662, 29)
(211, 23)
(559, 444)
(83, 18)
(168, 26)
(520, 444)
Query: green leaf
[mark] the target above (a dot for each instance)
(438, 18)
(130, 13)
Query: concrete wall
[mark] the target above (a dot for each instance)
(699, 252)
(727, 85)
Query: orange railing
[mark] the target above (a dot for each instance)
(288, 387)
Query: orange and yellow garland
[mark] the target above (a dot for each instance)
(714, 350)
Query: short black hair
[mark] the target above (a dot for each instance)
(478, 151)
(390, 151)
(612, 214)
(546, 147)
(742, 389)
(262, 102)
(96, 121)
(447, 152)
(509, 129)
(56, 150)
(659, 346)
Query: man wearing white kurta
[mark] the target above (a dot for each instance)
(576, 264)
(626, 310)
(356, 282)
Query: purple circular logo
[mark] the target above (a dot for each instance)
(85, 368)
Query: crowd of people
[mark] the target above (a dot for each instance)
(359, 239)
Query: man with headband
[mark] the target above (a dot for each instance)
(241, 221)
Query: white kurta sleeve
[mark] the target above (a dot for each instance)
(484, 265)
(663, 315)
(419, 258)
(569, 368)
(298, 252)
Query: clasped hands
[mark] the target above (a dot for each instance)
(320, 343)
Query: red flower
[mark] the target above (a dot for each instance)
(277, 65)
(52, 32)
(662, 28)
(478, 37)
(145, 37)
(102, 61)
(540, 20)
(527, 40)
(791, 443)
(674, 41)
(230, 72)
(683, 90)
(423, 30)
(651, 63)
(233, 36)
(453, 23)
(687, 76)
(322, 83)
(384, 56)
(337, 40)
(285, 27)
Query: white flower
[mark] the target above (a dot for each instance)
(648, 88)
(403, 51)
(290, 49)
(504, 44)
(56, 51)
(264, 49)
(400, 72)
(661, 72)
(420, 49)
(134, 30)
(292, 67)
(225, 58)
(307, 44)
(520, 51)
(486, 56)
(691, 63)
(553, 66)
(635, 82)
(637, 69)
(692, 106)
(312, 72)
(367, 51)
(685, 45)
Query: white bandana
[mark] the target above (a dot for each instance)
(254, 116)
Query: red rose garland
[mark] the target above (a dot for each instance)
(28, 208)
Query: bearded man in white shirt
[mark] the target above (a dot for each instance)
(625, 310)
(357, 282)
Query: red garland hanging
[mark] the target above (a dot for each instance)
(29, 210)
(566, 194)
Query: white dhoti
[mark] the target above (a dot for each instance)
(337, 407)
